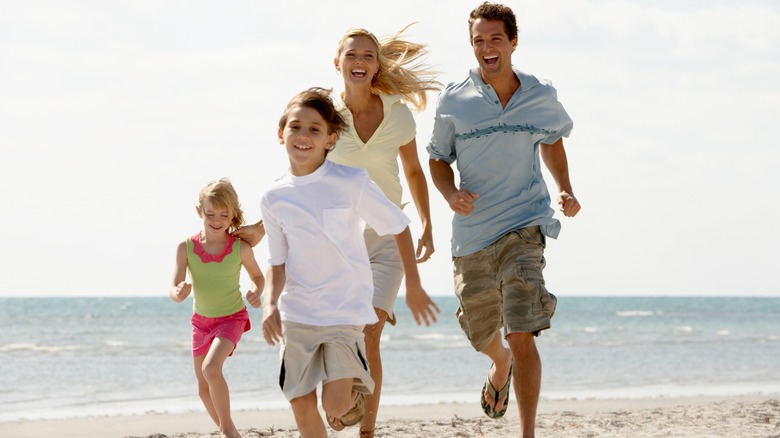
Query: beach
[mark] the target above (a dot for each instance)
(743, 416)
(613, 366)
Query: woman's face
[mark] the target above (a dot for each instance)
(358, 62)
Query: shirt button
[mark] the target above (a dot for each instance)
(496, 102)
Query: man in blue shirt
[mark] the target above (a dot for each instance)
(496, 125)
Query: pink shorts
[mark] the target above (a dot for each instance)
(205, 329)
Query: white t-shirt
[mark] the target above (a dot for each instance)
(314, 225)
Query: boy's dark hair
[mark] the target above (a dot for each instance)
(495, 12)
(319, 100)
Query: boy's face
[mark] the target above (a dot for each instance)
(306, 138)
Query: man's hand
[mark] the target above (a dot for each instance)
(568, 204)
(461, 201)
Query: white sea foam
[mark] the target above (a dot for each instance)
(632, 313)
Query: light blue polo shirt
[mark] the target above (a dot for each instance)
(497, 155)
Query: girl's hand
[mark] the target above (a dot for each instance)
(182, 291)
(254, 298)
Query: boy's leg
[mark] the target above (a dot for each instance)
(203, 388)
(220, 394)
(307, 416)
(338, 397)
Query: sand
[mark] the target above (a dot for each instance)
(746, 416)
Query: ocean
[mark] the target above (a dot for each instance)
(67, 357)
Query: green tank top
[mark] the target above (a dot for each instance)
(215, 278)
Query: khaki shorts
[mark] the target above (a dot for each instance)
(502, 286)
(312, 355)
(387, 270)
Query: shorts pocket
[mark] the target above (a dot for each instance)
(531, 235)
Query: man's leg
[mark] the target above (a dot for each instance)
(498, 375)
(527, 379)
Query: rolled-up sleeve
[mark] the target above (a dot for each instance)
(442, 144)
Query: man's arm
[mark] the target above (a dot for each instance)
(554, 157)
(443, 177)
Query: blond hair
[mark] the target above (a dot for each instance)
(401, 66)
(221, 194)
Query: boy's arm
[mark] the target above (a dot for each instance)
(180, 289)
(272, 321)
(251, 234)
(255, 273)
(416, 298)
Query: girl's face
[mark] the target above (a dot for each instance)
(215, 219)
(306, 138)
(358, 61)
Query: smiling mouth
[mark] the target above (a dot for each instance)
(490, 60)
(359, 73)
(302, 147)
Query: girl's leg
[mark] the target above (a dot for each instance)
(373, 334)
(220, 395)
(307, 416)
(203, 388)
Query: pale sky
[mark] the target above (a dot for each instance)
(113, 115)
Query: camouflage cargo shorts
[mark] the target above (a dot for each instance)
(502, 286)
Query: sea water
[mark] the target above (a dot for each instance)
(64, 357)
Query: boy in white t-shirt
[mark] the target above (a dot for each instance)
(319, 288)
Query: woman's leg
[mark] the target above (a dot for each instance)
(373, 334)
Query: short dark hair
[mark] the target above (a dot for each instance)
(495, 12)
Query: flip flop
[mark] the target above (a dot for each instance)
(490, 411)
(352, 417)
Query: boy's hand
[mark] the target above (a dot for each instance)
(253, 296)
(272, 323)
(421, 305)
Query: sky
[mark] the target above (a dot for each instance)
(113, 115)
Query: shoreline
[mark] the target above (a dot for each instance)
(712, 416)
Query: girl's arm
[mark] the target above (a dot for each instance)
(272, 321)
(255, 273)
(418, 187)
(180, 289)
(416, 298)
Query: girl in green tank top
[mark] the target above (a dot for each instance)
(213, 257)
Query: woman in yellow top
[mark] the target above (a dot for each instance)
(380, 78)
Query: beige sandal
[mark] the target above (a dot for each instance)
(352, 417)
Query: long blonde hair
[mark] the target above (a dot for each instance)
(401, 66)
